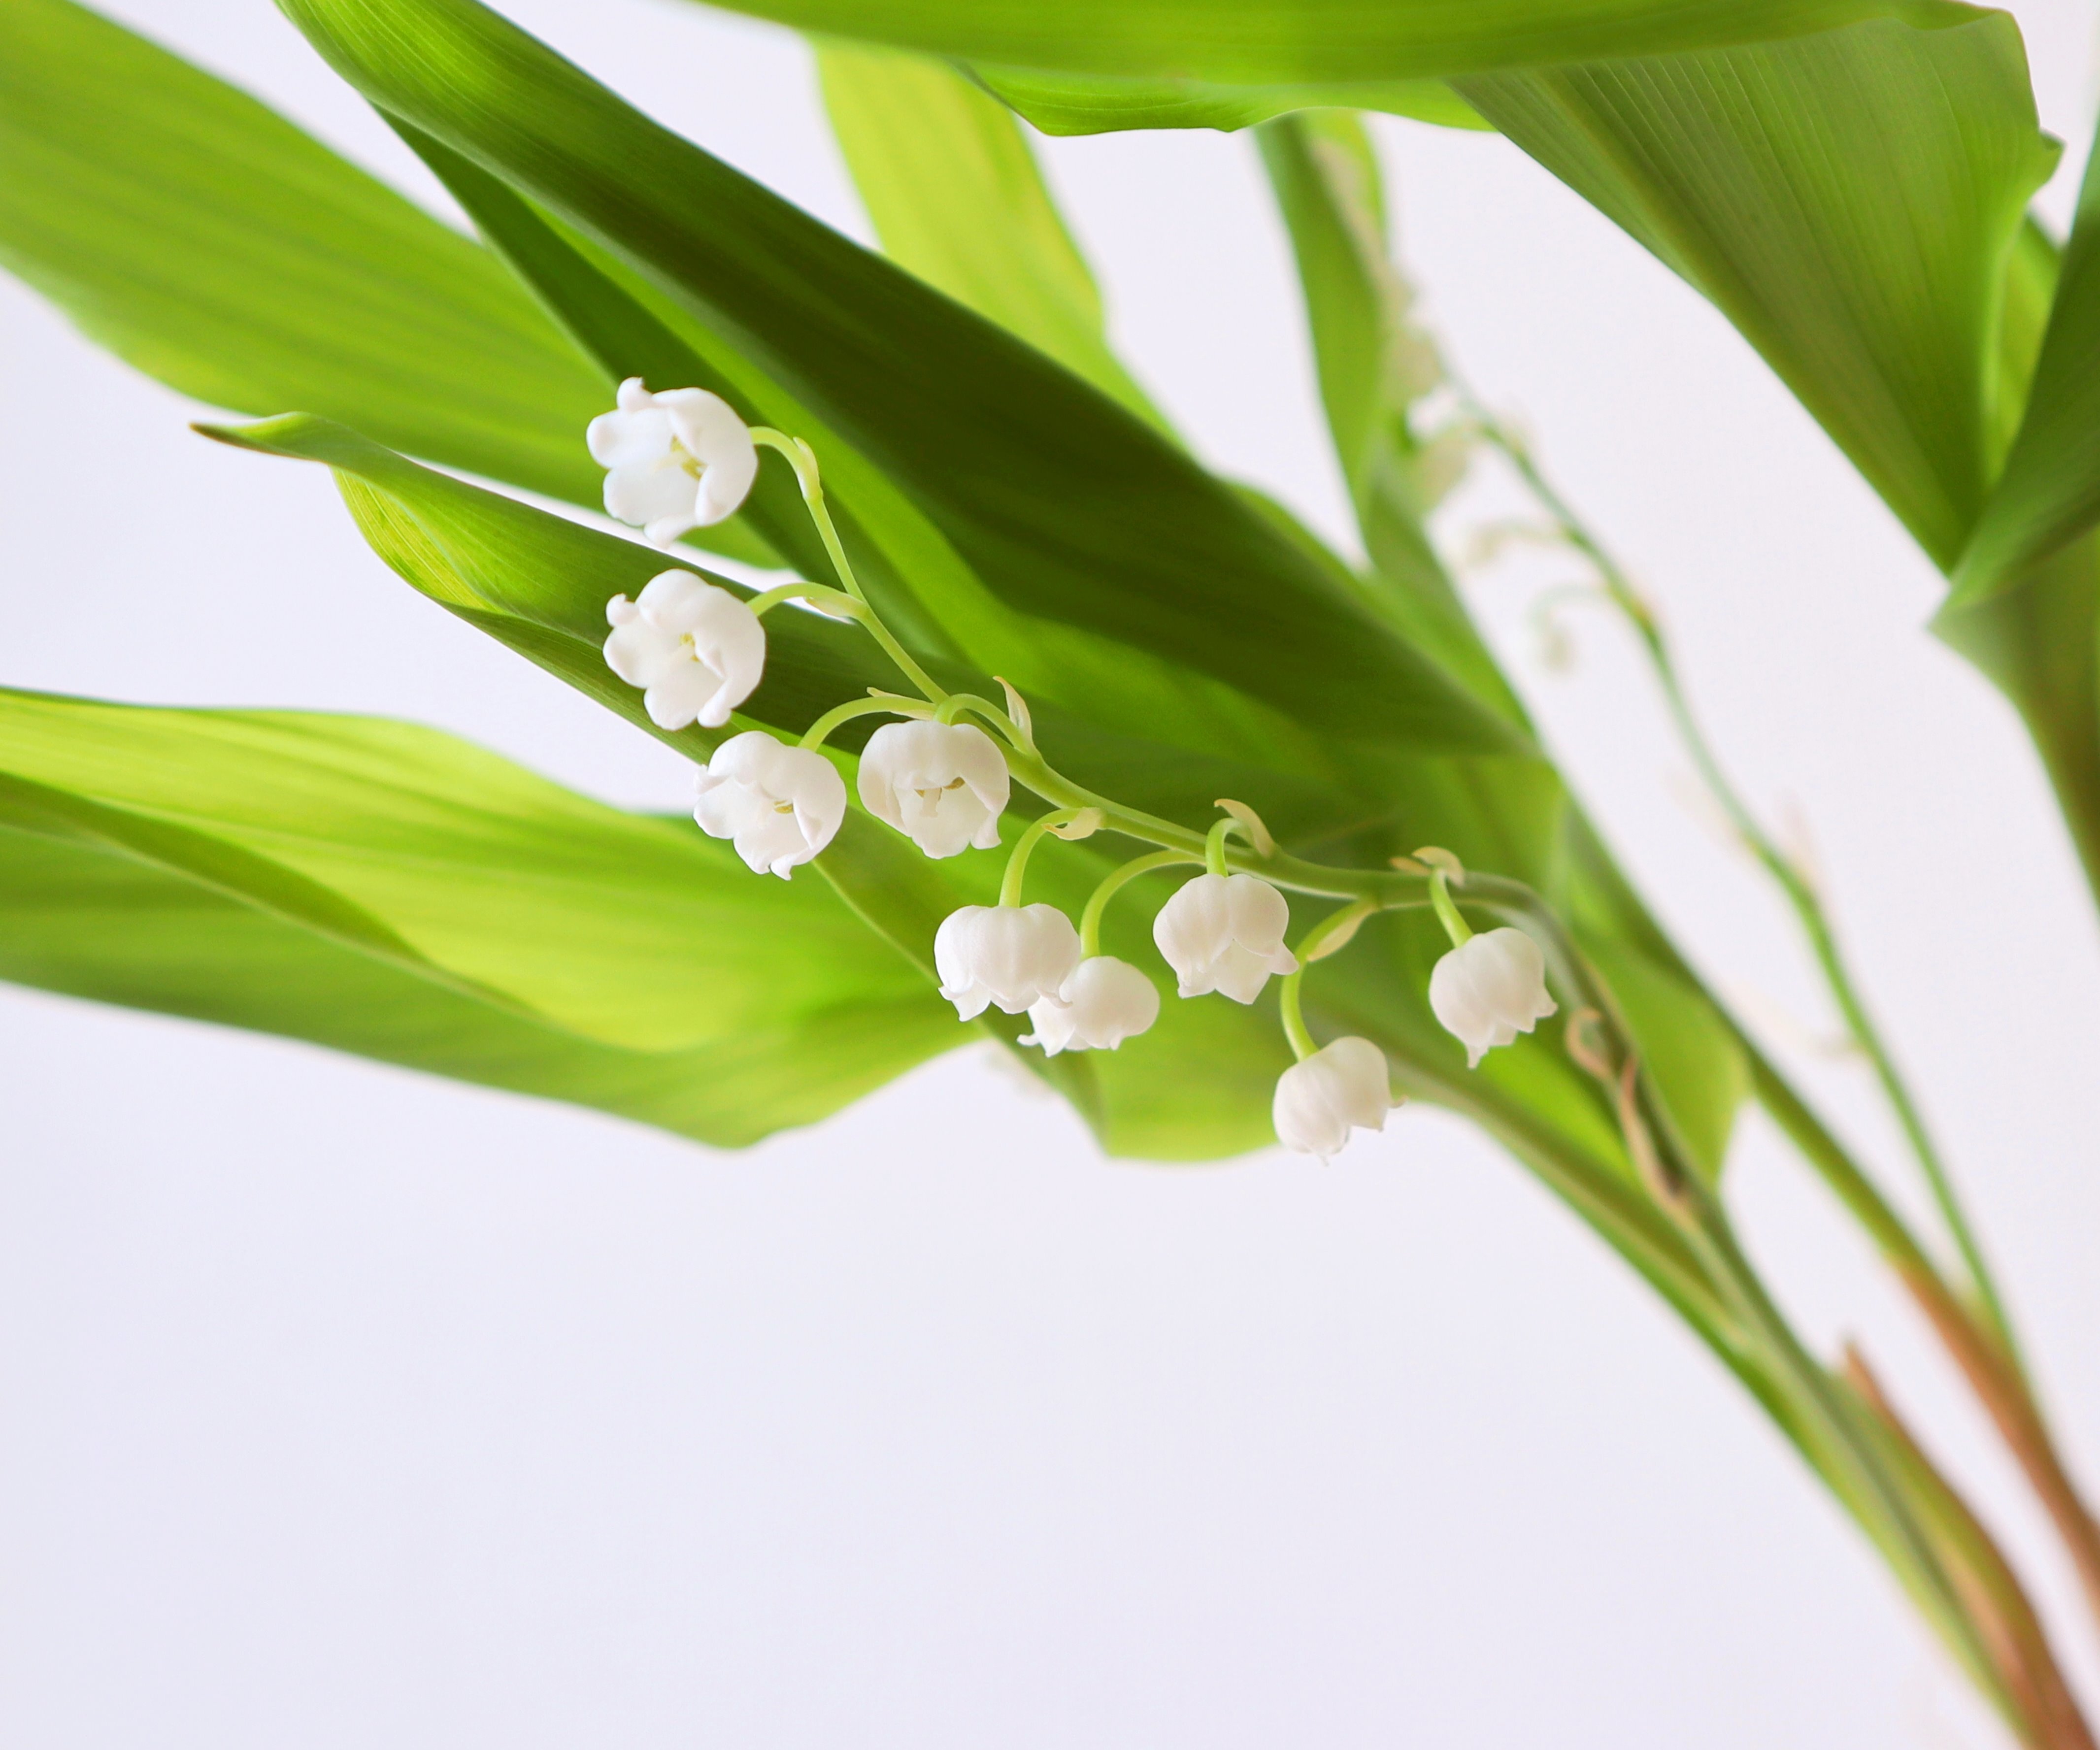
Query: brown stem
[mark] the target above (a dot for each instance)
(2004, 1394)
(1992, 1591)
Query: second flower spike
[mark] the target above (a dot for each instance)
(697, 650)
(1225, 933)
(944, 785)
(781, 805)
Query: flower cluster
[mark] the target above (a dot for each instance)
(682, 458)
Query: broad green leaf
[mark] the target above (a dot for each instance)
(956, 196)
(1066, 102)
(2038, 640)
(210, 243)
(389, 890)
(1849, 201)
(1375, 366)
(2050, 492)
(1309, 41)
(1063, 504)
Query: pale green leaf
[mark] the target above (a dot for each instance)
(212, 244)
(389, 890)
(956, 196)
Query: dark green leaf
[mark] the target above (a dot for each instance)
(1065, 505)
(1849, 201)
(2050, 492)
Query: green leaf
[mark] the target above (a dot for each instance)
(1065, 506)
(1067, 103)
(207, 241)
(2050, 492)
(1849, 201)
(2038, 640)
(1316, 41)
(388, 890)
(956, 196)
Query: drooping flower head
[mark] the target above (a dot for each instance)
(1012, 955)
(1225, 933)
(697, 650)
(1104, 1002)
(1489, 989)
(674, 461)
(781, 805)
(943, 784)
(1339, 1087)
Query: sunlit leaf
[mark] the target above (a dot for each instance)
(1299, 41)
(389, 890)
(955, 195)
(211, 243)
(1069, 103)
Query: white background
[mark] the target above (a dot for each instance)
(346, 1408)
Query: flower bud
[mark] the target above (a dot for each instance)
(1104, 1003)
(1339, 1085)
(944, 785)
(697, 650)
(1489, 989)
(781, 805)
(1225, 933)
(674, 461)
(1012, 955)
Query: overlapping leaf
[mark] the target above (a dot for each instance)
(1072, 102)
(206, 239)
(2050, 492)
(956, 196)
(1065, 505)
(1849, 201)
(389, 890)
(1299, 41)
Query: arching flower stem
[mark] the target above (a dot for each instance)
(1447, 910)
(803, 460)
(1017, 861)
(1326, 937)
(835, 603)
(1214, 843)
(819, 732)
(1113, 883)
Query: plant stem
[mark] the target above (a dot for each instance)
(1024, 847)
(1097, 903)
(1799, 891)
(820, 732)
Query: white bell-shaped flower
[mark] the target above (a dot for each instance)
(674, 461)
(943, 784)
(1012, 955)
(781, 805)
(1104, 1002)
(1489, 989)
(697, 650)
(1225, 933)
(1339, 1087)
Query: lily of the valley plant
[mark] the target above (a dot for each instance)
(1043, 732)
